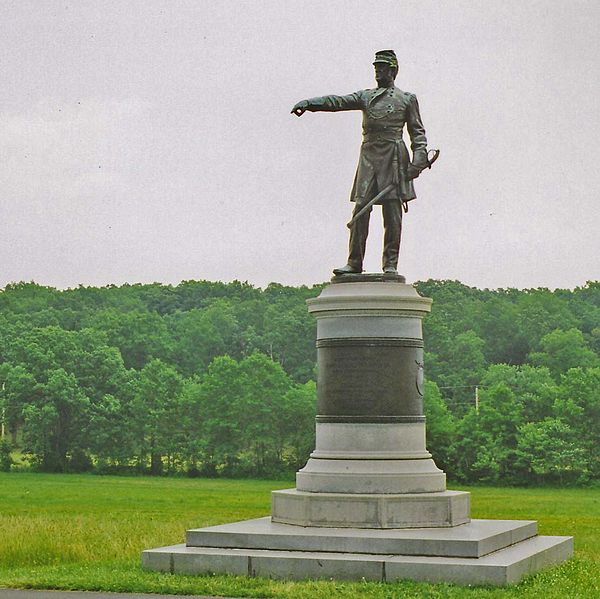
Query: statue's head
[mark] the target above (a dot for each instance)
(386, 67)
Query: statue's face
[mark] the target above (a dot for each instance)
(384, 74)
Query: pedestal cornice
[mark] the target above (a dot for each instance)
(370, 296)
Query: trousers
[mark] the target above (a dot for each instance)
(392, 227)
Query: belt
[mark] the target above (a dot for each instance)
(383, 135)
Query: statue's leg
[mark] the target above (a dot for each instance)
(392, 226)
(358, 238)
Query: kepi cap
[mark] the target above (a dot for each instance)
(387, 57)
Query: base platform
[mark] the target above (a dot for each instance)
(482, 552)
(376, 510)
(370, 503)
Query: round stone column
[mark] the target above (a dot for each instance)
(370, 422)
(370, 456)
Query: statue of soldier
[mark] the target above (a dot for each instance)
(384, 164)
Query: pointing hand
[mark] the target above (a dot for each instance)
(300, 108)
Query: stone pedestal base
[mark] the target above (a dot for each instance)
(370, 503)
(371, 476)
(356, 510)
(483, 552)
(357, 457)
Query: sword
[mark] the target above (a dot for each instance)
(369, 204)
(389, 188)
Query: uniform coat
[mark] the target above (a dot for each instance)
(384, 158)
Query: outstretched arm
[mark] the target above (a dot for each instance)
(329, 104)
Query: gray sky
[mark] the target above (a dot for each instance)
(152, 141)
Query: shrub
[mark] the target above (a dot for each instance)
(6, 460)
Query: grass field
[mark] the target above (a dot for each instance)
(87, 532)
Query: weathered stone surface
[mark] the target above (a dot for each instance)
(192, 560)
(370, 441)
(159, 560)
(475, 539)
(369, 324)
(358, 298)
(371, 476)
(369, 510)
(502, 567)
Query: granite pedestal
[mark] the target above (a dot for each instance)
(370, 502)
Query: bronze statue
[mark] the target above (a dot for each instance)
(385, 171)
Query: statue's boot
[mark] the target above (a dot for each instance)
(390, 270)
(347, 270)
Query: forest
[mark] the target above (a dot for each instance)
(218, 379)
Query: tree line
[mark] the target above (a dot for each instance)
(209, 378)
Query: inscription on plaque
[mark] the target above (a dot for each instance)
(369, 379)
(357, 375)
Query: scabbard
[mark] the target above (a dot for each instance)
(370, 203)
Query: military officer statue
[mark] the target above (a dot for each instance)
(385, 170)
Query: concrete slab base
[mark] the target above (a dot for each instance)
(475, 539)
(503, 567)
(371, 510)
(482, 552)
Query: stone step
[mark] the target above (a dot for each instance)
(477, 538)
(506, 566)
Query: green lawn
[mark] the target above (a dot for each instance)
(87, 532)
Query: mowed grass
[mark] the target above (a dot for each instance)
(87, 532)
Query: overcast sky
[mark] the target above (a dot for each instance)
(152, 141)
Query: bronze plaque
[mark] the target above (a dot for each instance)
(369, 378)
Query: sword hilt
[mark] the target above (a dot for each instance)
(434, 157)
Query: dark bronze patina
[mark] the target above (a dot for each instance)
(385, 170)
(367, 379)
